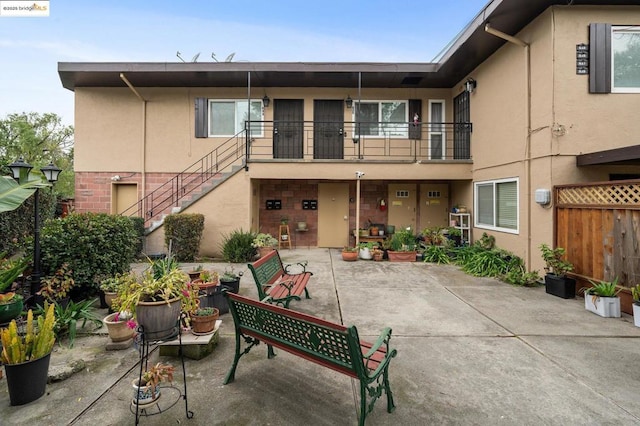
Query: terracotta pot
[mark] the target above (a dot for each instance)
(402, 256)
(119, 331)
(204, 324)
(373, 231)
(350, 256)
(265, 250)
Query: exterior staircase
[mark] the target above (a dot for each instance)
(193, 183)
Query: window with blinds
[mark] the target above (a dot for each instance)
(496, 205)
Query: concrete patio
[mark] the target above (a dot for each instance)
(471, 351)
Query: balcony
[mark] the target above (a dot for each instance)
(358, 141)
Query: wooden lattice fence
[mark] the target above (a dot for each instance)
(599, 226)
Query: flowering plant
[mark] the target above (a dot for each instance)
(125, 316)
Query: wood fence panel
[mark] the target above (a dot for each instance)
(599, 226)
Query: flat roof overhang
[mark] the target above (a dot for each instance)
(629, 155)
(469, 49)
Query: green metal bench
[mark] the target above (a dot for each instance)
(328, 344)
(275, 283)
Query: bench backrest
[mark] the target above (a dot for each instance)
(266, 270)
(332, 345)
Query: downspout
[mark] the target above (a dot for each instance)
(527, 162)
(247, 136)
(144, 135)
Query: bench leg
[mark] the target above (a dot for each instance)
(231, 375)
(387, 389)
(270, 352)
(306, 293)
(363, 403)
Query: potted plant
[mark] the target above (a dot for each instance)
(56, 288)
(11, 305)
(364, 250)
(264, 243)
(203, 320)
(635, 293)
(147, 389)
(156, 299)
(26, 356)
(120, 326)
(10, 270)
(455, 235)
(402, 246)
(109, 286)
(194, 274)
(556, 281)
(230, 279)
(377, 253)
(350, 254)
(602, 298)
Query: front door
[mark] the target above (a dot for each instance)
(461, 119)
(402, 205)
(333, 214)
(328, 129)
(434, 205)
(288, 124)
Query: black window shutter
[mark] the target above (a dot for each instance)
(201, 118)
(415, 107)
(599, 58)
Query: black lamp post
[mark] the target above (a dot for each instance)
(20, 171)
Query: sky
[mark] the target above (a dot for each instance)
(255, 30)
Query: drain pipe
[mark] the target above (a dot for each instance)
(144, 135)
(527, 162)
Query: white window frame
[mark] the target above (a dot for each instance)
(437, 129)
(258, 130)
(493, 227)
(402, 133)
(628, 29)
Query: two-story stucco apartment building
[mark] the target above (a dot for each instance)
(531, 94)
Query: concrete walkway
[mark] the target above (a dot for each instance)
(471, 351)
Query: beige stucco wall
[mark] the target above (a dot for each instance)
(565, 120)
(225, 210)
(113, 125)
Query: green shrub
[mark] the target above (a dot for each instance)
(436, 254)
(138, 226)
(16, 226)
(182, 234)
(95, 245)
(238, 247)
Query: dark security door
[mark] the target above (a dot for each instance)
(328, 129)
(288, 128)
(461, 134)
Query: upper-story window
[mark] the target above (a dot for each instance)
(227, 117)
(383, 118)
(625, 59)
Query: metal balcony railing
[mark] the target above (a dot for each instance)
(388, 141)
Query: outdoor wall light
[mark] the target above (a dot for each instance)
(470, 85)
(266, 101)
(348, 102)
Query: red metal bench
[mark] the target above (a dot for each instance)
(325, 343)
(274, 281)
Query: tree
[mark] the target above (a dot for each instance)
(40, 139)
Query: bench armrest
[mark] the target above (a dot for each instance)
(288, 284)
(383, 340)
(302, 265)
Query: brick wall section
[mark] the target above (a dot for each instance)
(291, 193)
(93, 190)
